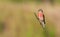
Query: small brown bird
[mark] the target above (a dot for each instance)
(41, 17)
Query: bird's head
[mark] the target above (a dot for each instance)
(40, 10)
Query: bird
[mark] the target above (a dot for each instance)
(41, 17)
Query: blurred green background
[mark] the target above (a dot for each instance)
(17, 18)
